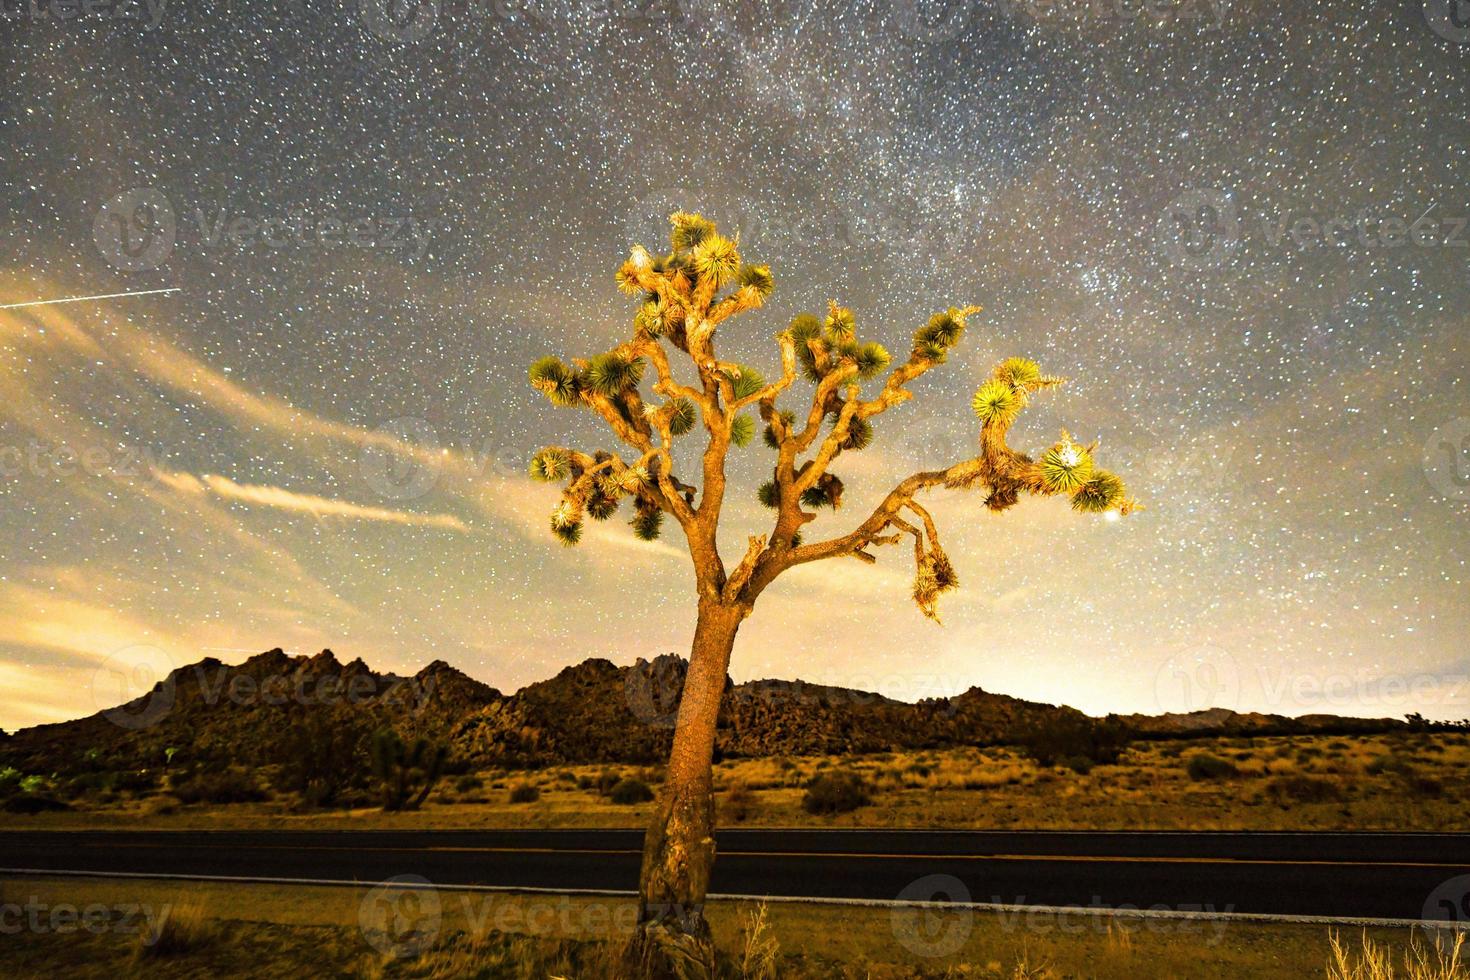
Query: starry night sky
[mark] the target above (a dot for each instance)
(320, 439)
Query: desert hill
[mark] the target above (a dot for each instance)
(592, 712)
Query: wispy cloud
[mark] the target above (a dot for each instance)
(303, 503)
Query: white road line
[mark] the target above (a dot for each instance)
(1071, 910)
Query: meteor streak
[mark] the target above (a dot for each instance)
(83, 299)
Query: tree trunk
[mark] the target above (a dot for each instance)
(679, 848)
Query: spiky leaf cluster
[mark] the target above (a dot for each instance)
(742, 430)
(1065, 467)
(612, 373)
(556, 381)
(933, 576)
(550, 465)
(1102, 492)
(683, 418)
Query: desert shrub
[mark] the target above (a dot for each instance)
(468, 783)
(607, 781)
(1204, 766)
(161, 806)
(1425, 786)
(230, 785)
(186, 929)
(1298, 788)
(1395, 765)
(739, 801)
(32, 803)
(1079, 764)
(524, 793)
(918, 769)
(321, 756)
(835, 792)
(10, 781)
(406, 771)
(586, 782)
(630, 791)
(1067, 736)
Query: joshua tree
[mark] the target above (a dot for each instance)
(407, 772)
(684, 297)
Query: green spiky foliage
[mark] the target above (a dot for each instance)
(758, 278)
(689, 230)
(769, 494)
(684, 417)
(1102, 492)
(556, 381)
(840, 324)
(601, 506)
(647, 524)
(996, 401)
(859, 434)
(568, 533)
(1065, 467)
(551, 465)
(612, 374)
(745, 381)
(742, 430)
(716, 259)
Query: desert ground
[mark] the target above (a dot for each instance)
(1400, 781)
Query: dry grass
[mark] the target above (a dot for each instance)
(1439, 959)
(1384, 782)
(274, 930)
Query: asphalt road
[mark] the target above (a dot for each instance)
(1391, 876)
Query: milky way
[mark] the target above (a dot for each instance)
(1239, 228)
